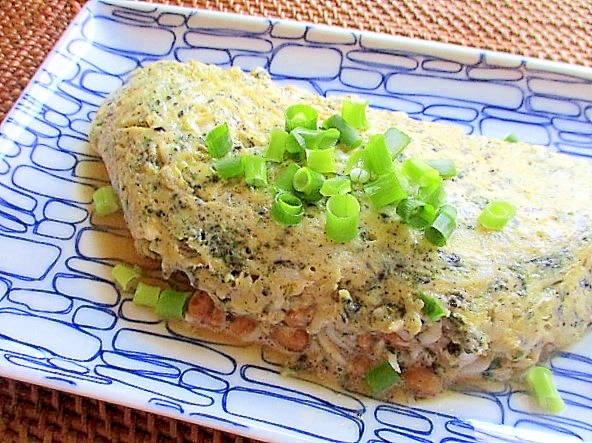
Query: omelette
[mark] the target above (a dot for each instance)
(350, 311)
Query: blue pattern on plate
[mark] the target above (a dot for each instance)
(64, 324)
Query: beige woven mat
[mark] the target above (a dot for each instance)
(551, 29)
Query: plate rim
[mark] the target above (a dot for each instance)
(534, 63)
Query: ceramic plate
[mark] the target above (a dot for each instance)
(63, 324)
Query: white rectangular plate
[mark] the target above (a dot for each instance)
(63, 324)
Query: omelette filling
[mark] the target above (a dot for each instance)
(359, 247)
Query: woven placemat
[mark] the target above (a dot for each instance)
(556, 30)
(30, 414)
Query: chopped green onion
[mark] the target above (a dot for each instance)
(229, 167)
(433, 194)
(321, 160)
(442, 227)
(301, 116)
(416, 213)
(295, 143)
(543, 387)
(359, 175)
(277, 146)
(146, 295)
(448, 209)
(315, 138)
(378, 155)
(124, 275)
(396, 141)
(420, 172)
(325, 138)
(354, 113)
(357, 159)
(308, 182)
(335, 186)
(382, 377)
(348, 135)
(218, 141)
(386, 189)
(285, 180)
(171, 304)
(287, 208)
(496, 215)
(106, 200)
(445, 167)
(432, 307)
(342, 217)
(512, 138)
(255, 170)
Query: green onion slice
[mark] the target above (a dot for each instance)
(321, 160)
(146, 295)
(512, 138)
(354, 113)
(416, 213)
(229, 167)
(285, 179)
(315, 138)
(432, 307)
(357, 159)
(124, 275)
(386, 189)
(543, 387)
(106, 200)
(336, 186)
(218, 141)
(420, 172)
(287, 208)
(308, 182)
(445, 167)
(433, 194)
(378, 155)
(396, 141)
(359, 175)
(277, 146)
(348, 135)
(496, 215)
(255, 168)
(301, 116)
(442, 227)
(449, 210)
(295, 143)
(342, 217)
(171, 304)
(382, 377)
